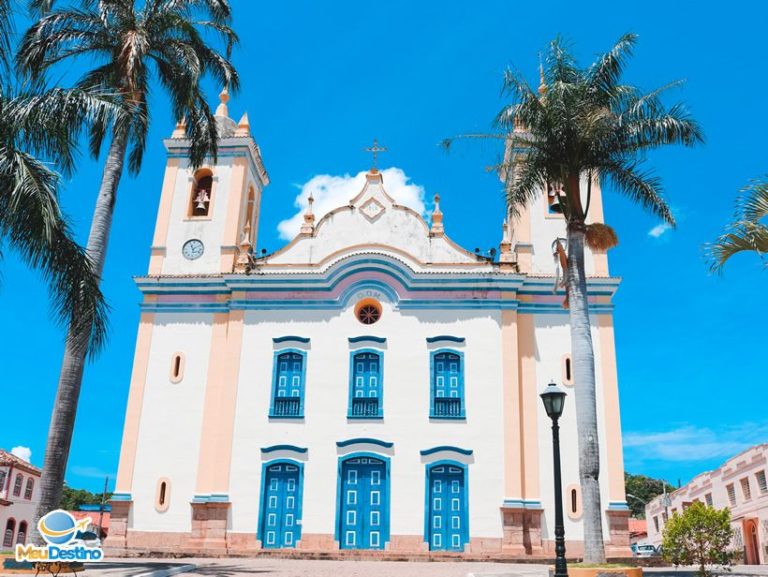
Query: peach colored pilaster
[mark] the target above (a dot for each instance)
(596, 215)
(513, 488)
(522, 240)
(614, 455)
(235, 196)
(529, 401)
(135, 402)
(163, 216)
(220, 397)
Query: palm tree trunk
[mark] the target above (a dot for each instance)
(71, 376)
(586, 401)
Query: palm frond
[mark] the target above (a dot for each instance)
(606, 72)
(32, 224)
(742, 236)
(640, 187)
(753, 204)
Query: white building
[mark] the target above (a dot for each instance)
(372, 385)
(19, 495)
(739, 484)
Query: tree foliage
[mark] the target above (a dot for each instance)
(701, 536)
(39, 133)
(640, 490)
(72, 499)
(748, 232)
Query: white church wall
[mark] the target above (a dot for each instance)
(171, 421)
(406, 423)
(553, 340)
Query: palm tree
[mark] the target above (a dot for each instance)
(37, 130)
(40, 128)
(746, 233)
(132, 46)
(582, 122)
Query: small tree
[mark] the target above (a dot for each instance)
(700, 536)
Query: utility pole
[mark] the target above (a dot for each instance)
(103, 505)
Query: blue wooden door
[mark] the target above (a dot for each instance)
(364, 515)
(447, 509)
(281, 505)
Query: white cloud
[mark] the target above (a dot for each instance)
(691, 444)
(23, 453)
(331, 192)
(659, 229)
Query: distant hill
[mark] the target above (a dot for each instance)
(643, 489)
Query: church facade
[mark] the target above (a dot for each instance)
(372, 385)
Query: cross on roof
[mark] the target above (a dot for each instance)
(375, 149)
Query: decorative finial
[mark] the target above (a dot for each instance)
(181, 128)
(243, 126)
(308, 227)
(505, 246)
(437, 219)
(542, 83)
(375, 149)
(244, 254)
(221, 109)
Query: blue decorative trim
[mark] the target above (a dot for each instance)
(403, 275)
(380, 340)
(264, 467)
(366, 441)
(386, 459)
(294, 448)
(432, 383)
(618, 506)
(427, 496)
(121, 497)
(522, 504)
(94, 507)
(289, 339)
(212, 498)
(434, 450)
(447, 338)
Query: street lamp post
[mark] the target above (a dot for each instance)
(553, 398)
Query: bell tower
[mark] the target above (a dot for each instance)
(208, 217)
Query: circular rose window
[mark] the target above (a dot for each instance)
(368, 311)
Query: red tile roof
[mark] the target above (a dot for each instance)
(94, 515)
(637, 526)
(7, 458)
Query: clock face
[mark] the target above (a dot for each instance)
(193, 249)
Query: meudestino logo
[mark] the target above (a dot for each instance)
(64, 536)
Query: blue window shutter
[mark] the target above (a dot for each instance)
(365, 385)
(288, 390)
(447, 386)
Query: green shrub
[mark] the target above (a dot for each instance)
(700, 536)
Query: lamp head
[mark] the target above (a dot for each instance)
(553, 398)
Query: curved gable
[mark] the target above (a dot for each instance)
(373, 219)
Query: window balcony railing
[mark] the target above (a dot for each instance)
(447, 407)
(287, 407)
(365, 407)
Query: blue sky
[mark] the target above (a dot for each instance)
(321, 80)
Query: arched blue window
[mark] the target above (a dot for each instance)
(288, 386)
(365, 385)
(447, 386)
